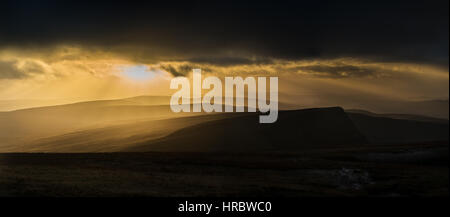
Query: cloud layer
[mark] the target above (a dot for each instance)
(223, 32)
(336, 51)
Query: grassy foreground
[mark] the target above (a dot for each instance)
(400, 170)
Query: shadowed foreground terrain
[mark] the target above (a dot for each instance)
(309, 152)
(394, 170)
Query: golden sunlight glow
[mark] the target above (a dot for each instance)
(71, 74)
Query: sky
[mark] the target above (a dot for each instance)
(322, 51)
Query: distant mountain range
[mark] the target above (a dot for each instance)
(411, 117)
(438, 108)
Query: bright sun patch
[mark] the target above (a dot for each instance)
(137, 72)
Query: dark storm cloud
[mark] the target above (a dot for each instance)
(340, 71)
(389, 30)
(9, 71)
(229, 61)
(32, 67)
(177, 71)
(183, 69)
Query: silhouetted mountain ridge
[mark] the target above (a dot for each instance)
(384, 130)
(298, 129)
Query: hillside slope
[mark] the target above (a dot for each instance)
(26, 125)
(309, 128)
(384, 130)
